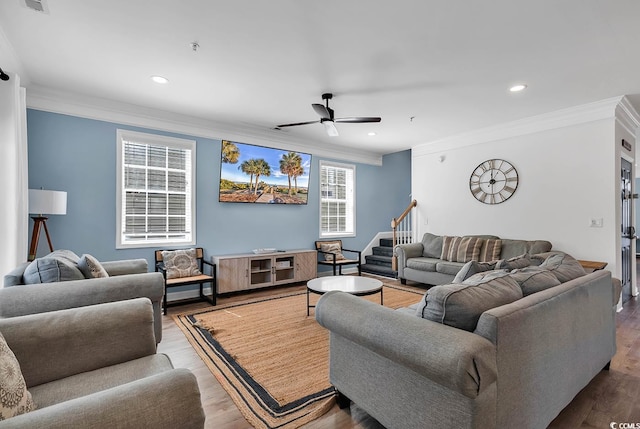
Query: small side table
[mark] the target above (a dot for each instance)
(592, 265)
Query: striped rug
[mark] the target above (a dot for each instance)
(270, 357)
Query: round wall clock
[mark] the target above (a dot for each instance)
(493, 181)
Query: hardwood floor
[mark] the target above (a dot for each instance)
(610, 397)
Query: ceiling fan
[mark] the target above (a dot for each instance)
(327, 118)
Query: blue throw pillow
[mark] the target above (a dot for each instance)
(50, 270)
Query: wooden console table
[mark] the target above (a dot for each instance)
(246, 271)
(593, 265)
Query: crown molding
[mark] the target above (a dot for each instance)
(558, 119)
(49, 100)
(627, 116)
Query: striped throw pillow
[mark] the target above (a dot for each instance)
(490, 251)
(461, 249)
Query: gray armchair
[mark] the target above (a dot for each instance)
(97, 367)
(127, 279)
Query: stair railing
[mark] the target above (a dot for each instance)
(402, 230)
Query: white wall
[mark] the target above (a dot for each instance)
(567, 176)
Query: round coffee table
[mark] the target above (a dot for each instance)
(355, 285)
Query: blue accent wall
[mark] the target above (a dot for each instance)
(78, 155)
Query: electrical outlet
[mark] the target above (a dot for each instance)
(596, 222)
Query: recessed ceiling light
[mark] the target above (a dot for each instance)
(371, 133)
(518, 88)
(159, 79)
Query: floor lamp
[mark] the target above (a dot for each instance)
(44, 202)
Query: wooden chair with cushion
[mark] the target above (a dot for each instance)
(331, 252)
(183, 267)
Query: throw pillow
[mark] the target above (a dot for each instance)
(15, 399)
(181, 263)
(461, 305)
(431, 246)
(333, 247)
(461, 249)
(50, 270)
(564, 267)
(514, 263)
(64, 254)
(490, 251)
(537, 260)
(91, 267)
(534, 279)
(471, 268)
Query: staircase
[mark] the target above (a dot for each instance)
(380, 262)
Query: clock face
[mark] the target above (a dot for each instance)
(493, 181)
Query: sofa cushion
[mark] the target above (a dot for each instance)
(565, 267)
(91, 268)
(15, 399)
(447, 267)
(431, 246)
(422, 264)
(335, 248)
(490, 250)
(461, 249)
(88, 382)
(471, 268)
(181, 263)
(534, 279)
(512, 248)
(461, 304)
(514, 263)
(51, 269)
(539, 246)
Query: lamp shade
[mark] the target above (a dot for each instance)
(47, 202)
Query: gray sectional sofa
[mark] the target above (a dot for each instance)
(422, 261)
(126, 279)
(456, 360)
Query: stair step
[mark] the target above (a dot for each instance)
(386, 242)
(379, 270)
(382, 251)
(378, 260)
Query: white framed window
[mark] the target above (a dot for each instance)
(155, 201)
(337, 199)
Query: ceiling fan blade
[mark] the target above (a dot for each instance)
(296, 124)
(330, 128)
(359, 119)
(321, 110)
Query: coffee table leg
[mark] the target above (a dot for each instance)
(381, 300)
(308, 301)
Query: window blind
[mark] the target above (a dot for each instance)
(337, 200)
(156, 192)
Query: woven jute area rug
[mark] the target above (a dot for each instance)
(270, 357)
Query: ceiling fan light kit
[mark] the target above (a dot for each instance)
(330, 128)
(327, 117)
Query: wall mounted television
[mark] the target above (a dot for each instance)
(259, 174)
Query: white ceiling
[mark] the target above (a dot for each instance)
(447, 64)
